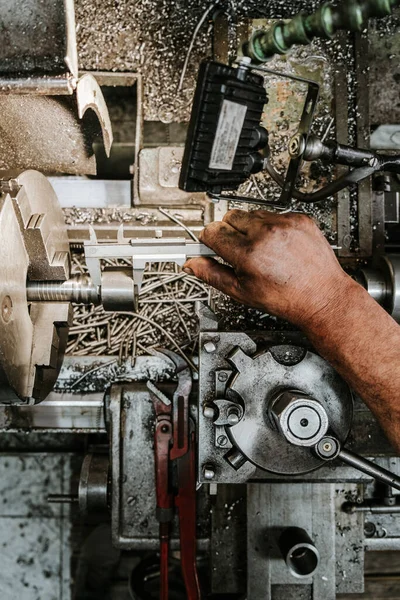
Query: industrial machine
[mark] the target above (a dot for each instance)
(223, 450)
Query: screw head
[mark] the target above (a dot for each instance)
(222, 440)
(6, 309)
(222, 376)
(373, 162)
(208, 472)
(327, 448)
(210, 347)
(369, 529)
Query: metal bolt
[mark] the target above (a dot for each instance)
(208, 412)
(369, 529)
(222, 376)
(233, 417)
(6, 309)
(210, 347)
(208, 472)
(327, 448)
(222, 440)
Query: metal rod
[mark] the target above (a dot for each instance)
(78, 289)
(367, 467)
(62, 498)
(379, 509)
(382, 544)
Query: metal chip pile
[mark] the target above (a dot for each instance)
(166, 316)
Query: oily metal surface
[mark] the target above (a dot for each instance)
(54, 134)
(257, 381)
(37, 37)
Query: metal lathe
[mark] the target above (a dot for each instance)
(157, 439)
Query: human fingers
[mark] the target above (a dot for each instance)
(226, 241)
(222, 277)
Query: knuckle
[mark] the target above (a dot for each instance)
(234, 212)
(302, 221)
(261, 214)
(233, 215)
(208, 232)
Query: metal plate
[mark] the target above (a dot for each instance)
(257, 381)
(38, 37)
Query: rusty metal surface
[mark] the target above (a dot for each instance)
(38, 37)
(43, 86)
(54, 133)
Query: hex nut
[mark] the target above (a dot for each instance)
(302, 420)
(209, 347)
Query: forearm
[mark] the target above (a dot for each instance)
(363, 343)
(282, 264)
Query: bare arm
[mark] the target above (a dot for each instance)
(283, 264)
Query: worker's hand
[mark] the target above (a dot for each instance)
(280, 263)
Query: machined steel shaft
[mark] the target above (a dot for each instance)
(350, 15)
(79, 289)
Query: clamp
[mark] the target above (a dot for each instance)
(174, 445)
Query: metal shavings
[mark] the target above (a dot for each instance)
(90, 372)
(178, 222)
(166, 317)
(87, 216)
(152, 37)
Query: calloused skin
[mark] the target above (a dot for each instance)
(282, 264)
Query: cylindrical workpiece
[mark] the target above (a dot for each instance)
(78, 289)
(93, 484)
(298, 551)
(117, 289)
